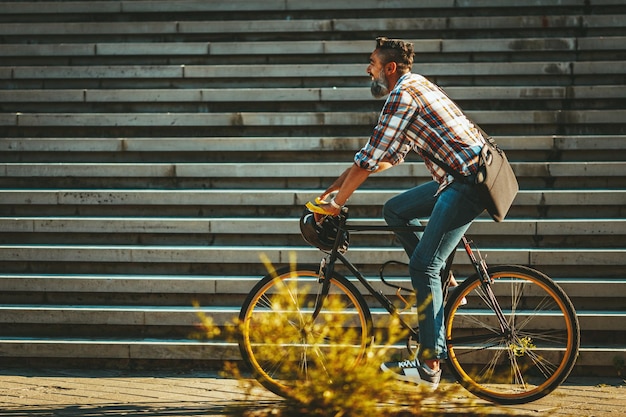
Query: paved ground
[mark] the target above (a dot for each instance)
(169, 394)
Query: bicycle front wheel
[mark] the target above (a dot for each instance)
(527, 360)
(283, 343)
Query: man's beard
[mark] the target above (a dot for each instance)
(379, 86)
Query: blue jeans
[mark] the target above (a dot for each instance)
(451, 213)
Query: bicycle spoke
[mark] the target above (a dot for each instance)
(264, 302)
(533, 354)
(283, 342)
(492, 364)
(554, 338)
(547, 305)
(517, 376)
(546, 367)
(478, 321)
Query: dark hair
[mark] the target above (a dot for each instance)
(396, 50)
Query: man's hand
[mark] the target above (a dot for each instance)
(322, 208)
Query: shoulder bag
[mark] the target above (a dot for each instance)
(495, 180)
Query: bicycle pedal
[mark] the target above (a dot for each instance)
(320, 272)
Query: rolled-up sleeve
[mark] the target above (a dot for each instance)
(388, 141)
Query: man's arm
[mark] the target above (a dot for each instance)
(347, 183)
(354, 178)
(336, 185)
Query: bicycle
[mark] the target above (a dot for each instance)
(515, 341)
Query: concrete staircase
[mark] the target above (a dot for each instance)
(152, 150)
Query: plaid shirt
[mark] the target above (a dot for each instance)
(418, 115)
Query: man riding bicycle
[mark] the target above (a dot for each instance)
(417, 115)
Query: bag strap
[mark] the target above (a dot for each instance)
(488, 140)
(480, 129)
(445, 167)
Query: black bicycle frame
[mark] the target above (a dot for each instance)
(380, 297)
(327, 268)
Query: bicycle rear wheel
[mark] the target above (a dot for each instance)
(527, 362)
(280, 340)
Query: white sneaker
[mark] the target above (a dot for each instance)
(413, 371)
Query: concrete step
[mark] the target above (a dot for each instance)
(185, 6)
(205, 351)
(94, 232)
(265, 95)
(188, 285)
(285, 226)
(322, 26)
(276, 119)
(597, 289)
(188, 322)
(266, 197)
(159, 6)
(111, 315)
(538, 46)
(276, 175)
(58, 349)
(242, 255)
(416, 170)
(285, 203)
(169, 145)
(34, 317)
(337, 72)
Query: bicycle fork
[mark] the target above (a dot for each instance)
(480, 265)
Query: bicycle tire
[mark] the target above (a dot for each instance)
(276, 340)
(531, 361)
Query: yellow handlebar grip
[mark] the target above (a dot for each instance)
(317, 209)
